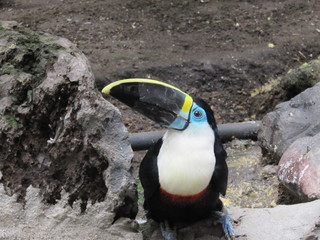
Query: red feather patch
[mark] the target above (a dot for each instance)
(183, 200)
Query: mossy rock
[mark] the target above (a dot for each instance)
(57, 133)
(24, 51)
(297, 80)
(285, 87)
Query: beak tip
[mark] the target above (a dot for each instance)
(106, 90)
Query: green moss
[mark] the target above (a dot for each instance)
(307, 75)
(30, 95)
(140, 192)
(10, 118)
(8, 68)
(294, 82)
(26, 52)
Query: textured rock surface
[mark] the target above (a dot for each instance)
(36, 220)
(314, 233)
(299, 168)
(282, 222)
(279, 223)
(290, 121)
(59, 136)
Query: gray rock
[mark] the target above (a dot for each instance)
(37, 220)
(290, 121)
(61, 137)
(282, 222)
(314, 233)
(299, 168)
(279, 223)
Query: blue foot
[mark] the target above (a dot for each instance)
(226, 223)
(167, 232)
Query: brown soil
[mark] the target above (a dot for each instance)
(219, 50)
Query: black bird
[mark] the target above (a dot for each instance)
(185, 172)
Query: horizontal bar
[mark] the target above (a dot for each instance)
(228, 131)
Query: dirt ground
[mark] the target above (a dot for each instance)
(219, 50)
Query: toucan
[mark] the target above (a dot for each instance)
(185, 172)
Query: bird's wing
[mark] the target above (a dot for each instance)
(148, 172)
(219, 178)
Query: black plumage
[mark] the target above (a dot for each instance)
(184, 210)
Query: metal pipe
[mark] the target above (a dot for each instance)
(228, 131)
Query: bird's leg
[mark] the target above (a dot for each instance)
(226, 223)
(167, 232)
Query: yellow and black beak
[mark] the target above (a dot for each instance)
(161, 102)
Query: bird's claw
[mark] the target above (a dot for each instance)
(226, 223)
(167, 232)
(227, 226)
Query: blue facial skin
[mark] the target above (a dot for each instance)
(197, 115)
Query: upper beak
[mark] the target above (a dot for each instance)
(161, 102)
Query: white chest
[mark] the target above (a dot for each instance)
(186, 160)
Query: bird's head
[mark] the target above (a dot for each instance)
(159, 101)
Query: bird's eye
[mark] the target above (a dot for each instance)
(197, 114)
